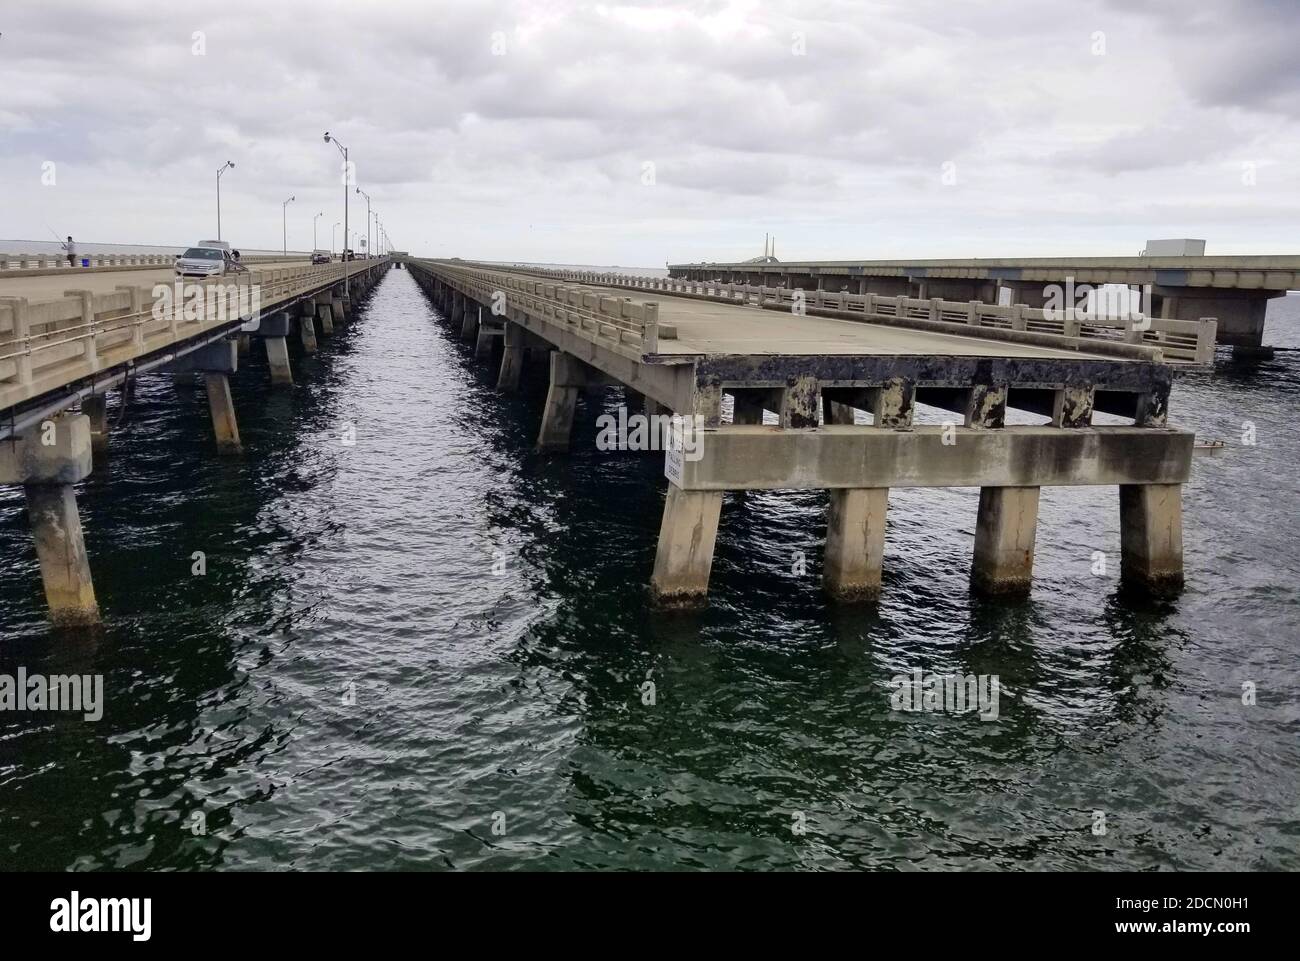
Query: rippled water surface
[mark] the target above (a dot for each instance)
(487, 607)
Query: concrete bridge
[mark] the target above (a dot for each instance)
(62, 353)
(840, 393)
(1234, 291)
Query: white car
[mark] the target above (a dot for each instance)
(207, 260)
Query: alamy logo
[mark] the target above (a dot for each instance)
(58, 692)
(208, 302)
(950, 693)
(131, 915)
(639, 432)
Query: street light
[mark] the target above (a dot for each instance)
(313, 229)
(220, 170)
(284, 224)
(367, 196)
(346, 170)
(333, 235)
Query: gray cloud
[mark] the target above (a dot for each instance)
(537, 153)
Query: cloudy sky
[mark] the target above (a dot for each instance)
(637, 134)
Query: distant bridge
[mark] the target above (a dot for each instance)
(1232, 290)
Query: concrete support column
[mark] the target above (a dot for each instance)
(512, 359)
(277, 356)
(337, 308)
(483, 343)
(307, 327)
(1151, 536)
(47, 460)
(561, 401)
(855, 543)
(1004, 540)
(685, 555)
(61, 549)
(470, 312)
(222, 407)
(326, 314)
(95, 407)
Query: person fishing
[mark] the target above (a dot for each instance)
(71, 248)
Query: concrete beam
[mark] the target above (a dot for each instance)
(221, 356)
(740, 458)
(56, 451)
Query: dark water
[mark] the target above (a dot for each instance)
(513, 698)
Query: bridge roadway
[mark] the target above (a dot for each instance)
(1234, 290)
(822, 378)
(70, 337)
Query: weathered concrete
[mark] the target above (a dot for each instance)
(1151, 536)
(61, 550)
(761, 458)
(684, 557)
(471, 318)
(855, 543)
(325, 313)
(512, 358)
(48, 459)
(307, 327)
(567, 377)
(222, 407)
(487, 335)
(277, 357)
(95, 407)
(1004, 540)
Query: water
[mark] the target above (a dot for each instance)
(514, 700)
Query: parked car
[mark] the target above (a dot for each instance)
(320, 257)
(205, 260)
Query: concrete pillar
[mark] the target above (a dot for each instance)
(685, 554)
(307, 327)
(855, 543)
(1004, 540)
(244, 345)
(561, 401)
(1151, 536)
(95, 407)
(470, 323)
(222, 407)
(47, 460)
(277, 356)
(483, 343)
(61, 549)
(512, 359)
(326, 314)
(337, 308)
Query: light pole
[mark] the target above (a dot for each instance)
(220, 170)
(346, 171)
(377, 242)
(333, 235)
(284, 224)
(313, 230)
(367, 196)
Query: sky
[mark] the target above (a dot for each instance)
(642, 134)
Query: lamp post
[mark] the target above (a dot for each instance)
(284, 224)
(346, 171)
(333, 234)
(220, 170)
(367, 196)
(313, 230)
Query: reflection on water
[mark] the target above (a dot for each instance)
(402, 643)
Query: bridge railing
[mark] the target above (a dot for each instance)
(1180, 341)
(628, 328)
(59, 262)
(47, 344)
